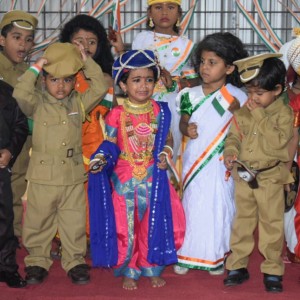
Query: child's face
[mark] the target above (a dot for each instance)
(164, 15)
(59, 88)
(213, 69)
(88, 39)
(258, 97)
(139, 86)
(17, 44)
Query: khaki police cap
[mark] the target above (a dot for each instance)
(249, 67)
(64, 59)
(20, 19)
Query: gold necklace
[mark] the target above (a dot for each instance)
(138, 160)
(137, 109)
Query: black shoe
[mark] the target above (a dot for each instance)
(235, 277)
(35, 274)
(13, 280)
(80, 274)
(273, 283)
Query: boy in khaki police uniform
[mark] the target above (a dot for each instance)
(56, 200)
(259, 137)
(16, 40)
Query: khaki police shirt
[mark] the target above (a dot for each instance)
(56, 140)
(260, 137)
(10, 72)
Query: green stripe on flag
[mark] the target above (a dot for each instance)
(218, 107)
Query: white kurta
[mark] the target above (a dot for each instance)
(208, 199)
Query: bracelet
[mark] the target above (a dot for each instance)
(163, 152)
(37, 66)
(35, 69)
(173, 87)
(170, 148)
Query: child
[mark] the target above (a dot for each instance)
(206, 112)
(143, 241)
(13, 133)
(173, 51)
(56, 173)
(90, 33)
(16, 40)
(259, 137)
(292, 217)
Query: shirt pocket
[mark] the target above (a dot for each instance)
(41, 167)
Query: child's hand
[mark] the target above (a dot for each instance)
(41, 61)
(162, 164)
(115, 40)
(192, 130)
(251, 104)
(81, 49)
(166, 78)
(5, 157)
(287, 187)
(97, 164)
(228, 161)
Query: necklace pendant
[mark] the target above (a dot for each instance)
(139, 172)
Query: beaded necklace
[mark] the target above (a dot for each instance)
(140, 138)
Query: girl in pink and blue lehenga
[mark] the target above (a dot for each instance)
(142, 219)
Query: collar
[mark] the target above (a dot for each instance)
(275, 106)
(7, 64)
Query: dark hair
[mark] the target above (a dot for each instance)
(126, 75)
(103, 55)
(227, 46)
(175, 28)
(6, 29)
(271, 73)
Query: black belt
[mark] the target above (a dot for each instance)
(268, 168)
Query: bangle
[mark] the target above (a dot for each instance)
(170, 148)
(37, 66)
(163, 152)
(173, 87)
(35, 69)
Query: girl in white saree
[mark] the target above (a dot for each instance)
(206, 113)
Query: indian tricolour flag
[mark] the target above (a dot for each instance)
(222, 100)
(116, 16)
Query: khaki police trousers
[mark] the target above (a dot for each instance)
(51, 209)
(263, 207)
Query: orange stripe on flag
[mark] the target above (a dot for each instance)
(201, 260)
(227, 96)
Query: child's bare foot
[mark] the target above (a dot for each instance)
(157, 281)
(129, 284)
